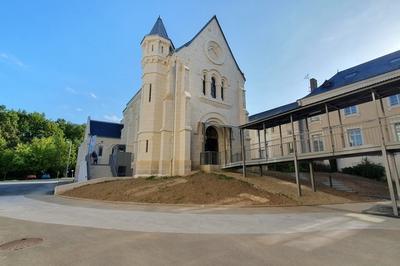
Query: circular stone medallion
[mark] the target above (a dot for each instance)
(215, 52)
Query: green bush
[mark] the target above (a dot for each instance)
(366, 169)
(288, 167)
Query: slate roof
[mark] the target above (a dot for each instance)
(159, 29)
(370, 69)
(105, 129)
(274, 111)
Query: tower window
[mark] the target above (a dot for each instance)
(222, 90)
(147, 145)
(204, 85)
(213, 88)
(150, 92)
(152, 48)
(162, 49)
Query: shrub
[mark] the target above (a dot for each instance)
(366, 169)
(288, 167)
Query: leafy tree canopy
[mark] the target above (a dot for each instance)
(32, 144)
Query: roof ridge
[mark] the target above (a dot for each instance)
(108, 122)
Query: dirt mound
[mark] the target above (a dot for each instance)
(199, 188)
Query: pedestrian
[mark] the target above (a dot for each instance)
(94, 156)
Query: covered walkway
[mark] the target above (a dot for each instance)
(378, 134)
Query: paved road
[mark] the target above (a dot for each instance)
(91, 233)
(40, 187)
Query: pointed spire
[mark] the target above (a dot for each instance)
(159, 29)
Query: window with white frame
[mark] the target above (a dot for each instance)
(350, 110)
(354, 137)
(317, 142)
(397, 131)
(314, 118)
(290, 147)
(394, 100)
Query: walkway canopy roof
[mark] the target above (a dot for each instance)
(349, 87)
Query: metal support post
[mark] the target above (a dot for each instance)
(312, 178)
(296, 163)
(243, 152)
(386, 160)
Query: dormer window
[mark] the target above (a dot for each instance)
(395, 60)
(350, 110)
(350, 75)
(394, 100)
(213, 88)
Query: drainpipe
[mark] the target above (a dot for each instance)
(174, 121)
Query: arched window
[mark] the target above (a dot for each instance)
(213, 88)
(204, 85)
(222, 90)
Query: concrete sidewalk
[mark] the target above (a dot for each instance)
(77, 232)
(241, 221)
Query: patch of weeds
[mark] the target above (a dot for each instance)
(152, 177)
(167, 177)
(224, 177)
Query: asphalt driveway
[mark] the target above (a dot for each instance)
(36, 187)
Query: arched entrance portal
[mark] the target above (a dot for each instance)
(210, 154)
(211, 141)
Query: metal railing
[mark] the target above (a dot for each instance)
(346, 139)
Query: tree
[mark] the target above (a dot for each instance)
(30, 143)
(6, 159)
(9, 127)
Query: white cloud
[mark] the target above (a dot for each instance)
(112, 118)
(11, 59)
(94, 96)
(71, 90)
(78, 109)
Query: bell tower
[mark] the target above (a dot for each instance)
(156, 57)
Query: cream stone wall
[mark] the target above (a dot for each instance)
(131, 117)
(165, 124)
(231, 110)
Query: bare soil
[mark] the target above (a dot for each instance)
(222, 189)
(199, 188)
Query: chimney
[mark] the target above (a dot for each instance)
(313, 84)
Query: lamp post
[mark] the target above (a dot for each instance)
(69, 155)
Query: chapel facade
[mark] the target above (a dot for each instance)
(188, 109)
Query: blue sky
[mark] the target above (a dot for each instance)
(70, 59)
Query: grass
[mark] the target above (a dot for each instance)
(224, 177)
